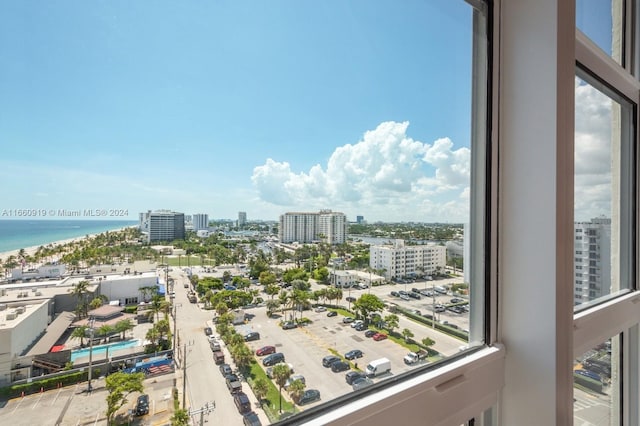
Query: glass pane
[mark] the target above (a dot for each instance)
(596, 385)
(601, 21)
(602, 195)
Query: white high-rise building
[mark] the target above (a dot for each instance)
(200, 221)
(242, 219)
(327, 226)
(592, 259)
(399, 260)
(165, 225)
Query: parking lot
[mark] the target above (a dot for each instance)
(304, 348)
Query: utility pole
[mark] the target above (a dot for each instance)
(175, 330)
(184, 376)
(91, 324)
(205, 409)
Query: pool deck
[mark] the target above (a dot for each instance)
(138, 333)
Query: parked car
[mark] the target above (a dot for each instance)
(361, 383)
(379, 336)
(289, 325)
(225, 369)
(208, 331)
(360, 327)
(254, 335)
(350, 299)
(370, 333)
(142, 405)
(339, 366)
(356, 323)
(329, 359)
(332, 313)
(415, 295)
(243, 403)
(293, 378)
(273, 359)
(251, 419)
(233, 383)
(353, 354)
(269, 371)
(348, 320)
(352, 375)
(320, 309)
(308, 396)
(266, 350)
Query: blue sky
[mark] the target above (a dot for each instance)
(226, 106)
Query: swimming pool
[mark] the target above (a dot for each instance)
(101, 350)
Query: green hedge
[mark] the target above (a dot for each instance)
(47, 383)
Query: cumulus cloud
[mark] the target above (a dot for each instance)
(593, 147)
(386, 174)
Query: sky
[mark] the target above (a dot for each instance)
(218, 107)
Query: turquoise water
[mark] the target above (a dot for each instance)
(18, 234)
(101, 350)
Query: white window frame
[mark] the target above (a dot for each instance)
(524, 376)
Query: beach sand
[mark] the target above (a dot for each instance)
(30, 251)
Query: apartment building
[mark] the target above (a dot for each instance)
(326, 226)
(592, 260)
(200, 221)
(400, 260)
(163, 225)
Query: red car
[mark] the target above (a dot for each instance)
(379, 336)
(266, 350)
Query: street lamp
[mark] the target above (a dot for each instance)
(175, 330)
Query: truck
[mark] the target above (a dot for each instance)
(416, 357)
(378, 367)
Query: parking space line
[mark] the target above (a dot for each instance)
(36, 403)
(57, 395)
(18, 405)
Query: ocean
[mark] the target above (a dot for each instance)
(17, 234)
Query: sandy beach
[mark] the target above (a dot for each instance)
(30, 251)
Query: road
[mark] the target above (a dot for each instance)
(204, 382)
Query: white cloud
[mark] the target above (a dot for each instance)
(387, 175)
(592, 152)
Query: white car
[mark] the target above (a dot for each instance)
(320, 309)
(356, 323)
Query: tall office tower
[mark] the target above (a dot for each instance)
(242, 219)
(165, 225)
(200, 221)
(592, 259)
(399, 261)
(359, 220)
(327, 226)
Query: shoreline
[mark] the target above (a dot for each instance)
(30, 251)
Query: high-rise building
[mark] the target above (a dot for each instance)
(242, 219)
(359, 220)
(200, 221)
(327, 226)
(399, 260)
(165, 225)
(592, 259)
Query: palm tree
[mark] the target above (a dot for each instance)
(281, 373)
(80, 333)
(124, 326)
(296, 389)
(80, 291)
(260, 389)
